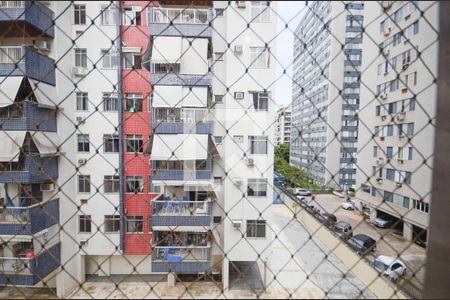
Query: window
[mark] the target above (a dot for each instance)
(133, 102)
(110, 59)
(238, 139)
(153, 188)
(80, 14)
(135, 224)
(257, 144)
(365, 188)
(83, 142)
(390, 174)
(84, 183)
(257, 187)
(135, 143)
(135, 184)
(132, 60)
(375, 151)
(218, 56)
(85, 223)
(111, 143)
(108, 14)
(111, 184)
(81, 58)
(390, 152)
(256, 228)
(260, 12)
(259, 57)
(82, 101)
(132, 16)
(421, 206)
(406, 202)
(218, 98)
(112, 223)
(110, 102)
(260, 101)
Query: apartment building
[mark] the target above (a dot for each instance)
(325, 97)
(396, 144)
(141, 145)
(283, 126)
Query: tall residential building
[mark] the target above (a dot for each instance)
(146, 142)
(396, 148)
(327, 60)
(283, 126)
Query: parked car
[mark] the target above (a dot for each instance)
(390, 266)
(343, 230)
(301, 199)
(312, 209)
(327, 219)
(348, 205)
(301, 192)
(383, 222)
(362, 244)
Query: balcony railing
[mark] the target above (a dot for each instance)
(33, 169)
(176, 120)
(32, 17)
(28, 220)
(27, 116)
(181, 259)
(28, 272)
(180, 79)
(181, 213)
(25, 61)
(185, 21)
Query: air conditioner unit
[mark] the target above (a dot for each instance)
(399, 184)
(383, 118)
(407, 16)
(46, 187)
(401, 136)
(250, 162)
(401, 161)
(386, 52)
(380, 180)
(79, 71)
(236, 224)
(42, 45)
(380, 161)
(405, 66)
(237, 181)
(240, 4)
(238, 49)
(83, 242)
(80, 120)
(387, 30)
(239, 95)
(401, 116)
(381, 138)
(82, 161)
(382, 96)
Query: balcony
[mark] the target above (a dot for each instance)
(27, 116)
(32, 18)
(30, 168)
(181, 259)
(187, 22)
(30, 63)
(180, 213)
(180, 79)
(29, 220)
(180, 170)
(29, 271)
(181, 120)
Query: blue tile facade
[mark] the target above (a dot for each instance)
(37, 170)
(33, 65)
(33, 15)
(41, 266)
(34, 118)
(39, 218)
(198, 128)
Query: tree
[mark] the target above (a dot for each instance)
(282, 151)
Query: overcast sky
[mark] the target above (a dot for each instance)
(291, 12)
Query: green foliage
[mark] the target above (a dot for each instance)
(295, 177)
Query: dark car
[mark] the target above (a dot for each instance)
(343, 230)
(327, 219)
(362, 244)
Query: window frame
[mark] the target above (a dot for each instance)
(136, 221)
(135, 179)
(83, 140)
(86, 183)
(113, 219)
(254, 146)
(253, 225)
(113, 98)
(260, 12)
(114, 183)
(87, 223)
(81, 55)
(79, 9)
(133, 141)
(114, 140)
(83, 99)
(134, 98)
(257, 186)
(259, 58)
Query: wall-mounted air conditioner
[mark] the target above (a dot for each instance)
(238, 49)
(240, 4)
(42, 45)
(387, 31)
(380, 180)
(382, 96)
(82, 161)
(46, 187)
(237, 181)
(380, 161)
(399, 184)
(401, 116)
(239, 95)
(250, 162)
(236, 223)
(401, 161)
(79, 71)
(80, 120)
(83, 242)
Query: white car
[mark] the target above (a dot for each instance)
(390, 266)
(301, 192)
(348, 205)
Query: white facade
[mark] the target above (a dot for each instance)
(396, 164)
(283, 126)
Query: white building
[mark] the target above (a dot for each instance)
(283, 126)
(327, 60)
(396, 142)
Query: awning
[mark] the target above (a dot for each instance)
(180, 228)
(166, 49)
(167, 96)
(16, 238)
(131, 49)
(46, 142)
(179, 147)
(195, 96)
(186, 184)
(11, 142)
(212, 147)
(9, 86)
(45, 94)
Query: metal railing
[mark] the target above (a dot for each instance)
(15, 265)
(185, 254)
(180, 208)
(179, 15)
